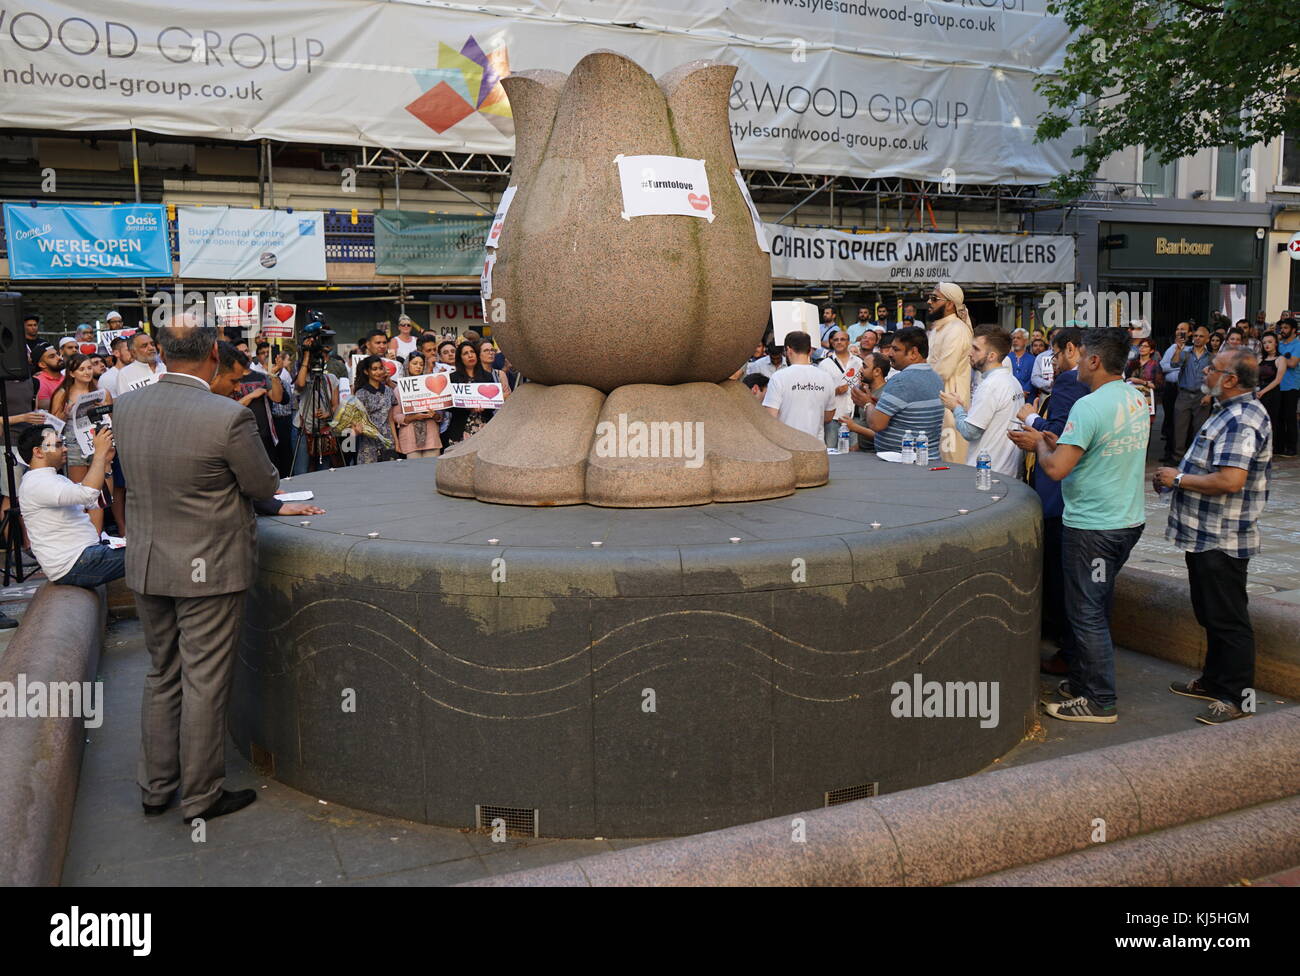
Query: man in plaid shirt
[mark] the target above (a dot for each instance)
(1220, 488)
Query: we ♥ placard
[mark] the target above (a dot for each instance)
(238, 311)
(278, 320)
(422, 394)
(487, 396)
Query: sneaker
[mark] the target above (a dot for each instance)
(1064, 691)
(1220, 712)
(1082, 710)
(1192, 689)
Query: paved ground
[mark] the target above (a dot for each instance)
(288, 838)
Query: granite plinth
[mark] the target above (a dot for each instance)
(666, 681)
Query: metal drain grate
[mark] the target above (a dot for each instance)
(519, 821)
(851, 793)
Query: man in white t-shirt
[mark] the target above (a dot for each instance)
(64, 540)
(801, 395)
(145, 367)
(994, 404)
(120, 347)
(843, 368)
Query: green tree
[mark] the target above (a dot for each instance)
(1173, 76)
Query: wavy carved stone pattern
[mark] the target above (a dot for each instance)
(507, 691)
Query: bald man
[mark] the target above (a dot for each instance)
(950, 343)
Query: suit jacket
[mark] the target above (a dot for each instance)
(193, 463)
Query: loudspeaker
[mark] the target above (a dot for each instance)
(15, 364)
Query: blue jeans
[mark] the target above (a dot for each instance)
(1091, 560)
(97, 564)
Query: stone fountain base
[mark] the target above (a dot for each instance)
(642, 446)
(449, 661)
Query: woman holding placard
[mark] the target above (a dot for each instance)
(377, 399)
(488, 356)
(465, 421)
(416, 434)
(78, 379)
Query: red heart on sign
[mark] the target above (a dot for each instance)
(488, 391)
(391, 367)
(283, 312)
(436, 383)
(699, 202)
(246, 304)
(850, 373)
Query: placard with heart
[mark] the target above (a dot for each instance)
(664, 185)
(278, 319)
(423, 394)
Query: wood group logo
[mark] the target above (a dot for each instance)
(462, 83)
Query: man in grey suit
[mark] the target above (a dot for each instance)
(190, 556)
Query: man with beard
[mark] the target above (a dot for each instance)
(1219, 491)
(950, 340)
(1288, 358)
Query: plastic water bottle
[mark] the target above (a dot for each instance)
(909, 447)
(843, 440)
(983, 472)
(922, 450)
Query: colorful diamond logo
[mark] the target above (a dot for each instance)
(461, 83)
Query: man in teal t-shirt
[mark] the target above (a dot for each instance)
(1099, 459)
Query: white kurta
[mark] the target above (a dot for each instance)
(950, 342)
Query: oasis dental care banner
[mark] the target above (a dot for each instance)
(924, 89)
(125, 241)
(801, 254)
(235, 244)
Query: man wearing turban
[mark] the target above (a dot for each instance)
(950, 342)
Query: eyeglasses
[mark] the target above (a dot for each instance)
(1221, 372)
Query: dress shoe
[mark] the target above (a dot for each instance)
(158, 809)
(228, 802)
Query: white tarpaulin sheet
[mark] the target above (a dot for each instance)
(823, 86)
(801, 254)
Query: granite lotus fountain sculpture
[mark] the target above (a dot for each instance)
(628, 313)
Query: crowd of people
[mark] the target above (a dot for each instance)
(1072, 412)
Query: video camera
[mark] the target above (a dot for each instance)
(99, 415)
(317, 341)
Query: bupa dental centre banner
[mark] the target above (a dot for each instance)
(234, 244)
(120, 241)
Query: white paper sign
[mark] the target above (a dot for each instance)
(796, 316)
(392, 365)
(277, 320)
(82, 426)
(485, 279)
(238, 311)
(294, 496)
(52, 421)
(489, 396)
(421, 394)
(759, 232)
(104, 339)
(147, 381)
(494, 235)
(654, 185)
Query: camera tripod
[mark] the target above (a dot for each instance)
(315, 399)
(11, 527)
